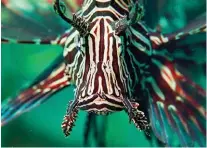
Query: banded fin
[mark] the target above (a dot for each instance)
(162, 40)
(48, 83)
(27, 20)
(177, 105)
(60, 40)
(185, 47)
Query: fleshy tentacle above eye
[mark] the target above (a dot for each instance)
(77, 22)
(136, 13)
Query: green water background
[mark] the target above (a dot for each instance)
(41, 126)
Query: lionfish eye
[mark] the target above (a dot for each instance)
(79, 44)
(136, 12)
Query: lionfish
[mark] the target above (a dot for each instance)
(117, 63)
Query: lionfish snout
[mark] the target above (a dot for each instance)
(100, 95)
(101, 104)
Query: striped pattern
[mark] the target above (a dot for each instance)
(97, 63)
(60, 40)
(113, 71)
(196, 27)
(177, 108)
(173, 107)
(36, 93)
(110, 69)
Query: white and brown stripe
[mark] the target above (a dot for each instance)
(98, 65)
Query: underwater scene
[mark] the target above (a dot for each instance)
(103, 73)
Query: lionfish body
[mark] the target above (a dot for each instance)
(116, 64)
(97, 63)
(98, 67)
(97, 74)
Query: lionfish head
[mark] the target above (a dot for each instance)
(103, 83)
(99, 70)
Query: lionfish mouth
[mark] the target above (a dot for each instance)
(101, 104)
